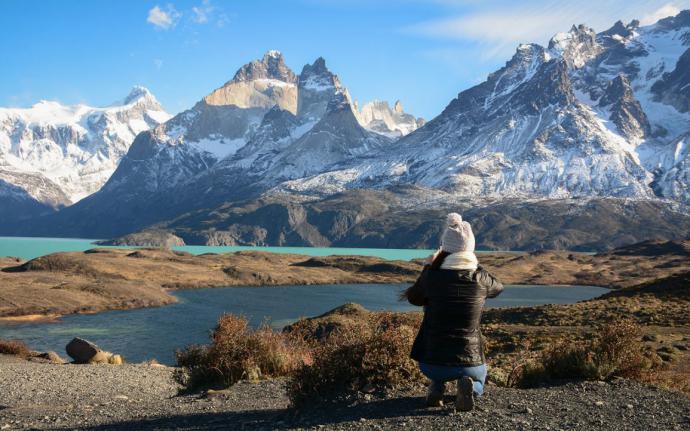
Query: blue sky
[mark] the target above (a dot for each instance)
(422, 52)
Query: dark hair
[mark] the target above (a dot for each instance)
(440, 258)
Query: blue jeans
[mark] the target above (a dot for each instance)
(440, 374)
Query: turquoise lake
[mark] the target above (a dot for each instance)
(157, 332)
(29, 248)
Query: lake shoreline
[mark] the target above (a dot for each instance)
(118, 279)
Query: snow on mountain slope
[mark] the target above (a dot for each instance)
(590, 115)
(265, 126)
(59, 154)
(325, 132)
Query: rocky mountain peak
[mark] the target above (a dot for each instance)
(271, 66)
(259, 84)
(137, 92)
(317, 76)
(318, 87)
(576, 47)
(142, 98)
(622, 30)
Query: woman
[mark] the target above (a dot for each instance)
(453, 288)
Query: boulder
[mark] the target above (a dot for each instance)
(82, 351)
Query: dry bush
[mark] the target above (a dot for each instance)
(237, 352)
(368, 356)
(14, 347)
(617, 351)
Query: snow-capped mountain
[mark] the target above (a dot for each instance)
(590, 115)
(265, 126)
(598, 118)
(57, 154)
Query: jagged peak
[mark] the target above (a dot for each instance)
(576, 46)
(562, 41)
(271, 66)
(620, 29)
(272, 53)
(136, 93)
(318, 67)
(318, 77)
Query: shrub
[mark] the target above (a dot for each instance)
(369, 356)
(14, 347)
(237, 352)
(617, 351)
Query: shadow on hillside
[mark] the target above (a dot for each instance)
(279, 418)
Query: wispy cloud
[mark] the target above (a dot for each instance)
(163, 19)
(202, 13)
(158, 63)
(664, 11)
(497, 33)
(498, 26)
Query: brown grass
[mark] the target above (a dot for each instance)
(617, 351)
(237, 352)
(368, 355)
(15, 348)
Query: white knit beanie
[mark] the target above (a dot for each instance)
(458, 235)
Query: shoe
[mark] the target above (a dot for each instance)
(434, 398)
(464, 401)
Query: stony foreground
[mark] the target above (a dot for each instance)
(143, 397)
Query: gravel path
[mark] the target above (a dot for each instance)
(142, 397)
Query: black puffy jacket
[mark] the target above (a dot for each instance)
(453, 301)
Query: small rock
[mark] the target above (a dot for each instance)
(599, 403)
(528, 411)
(121, 397)
(629, 406)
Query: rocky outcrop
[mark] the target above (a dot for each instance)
(148, 238)
(626, 112)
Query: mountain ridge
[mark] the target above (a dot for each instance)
(51, 140)
(591, 116)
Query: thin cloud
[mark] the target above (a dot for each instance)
(664, 11)
(158, 63)
(496, 27)
(163, 19)
(202, 13)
